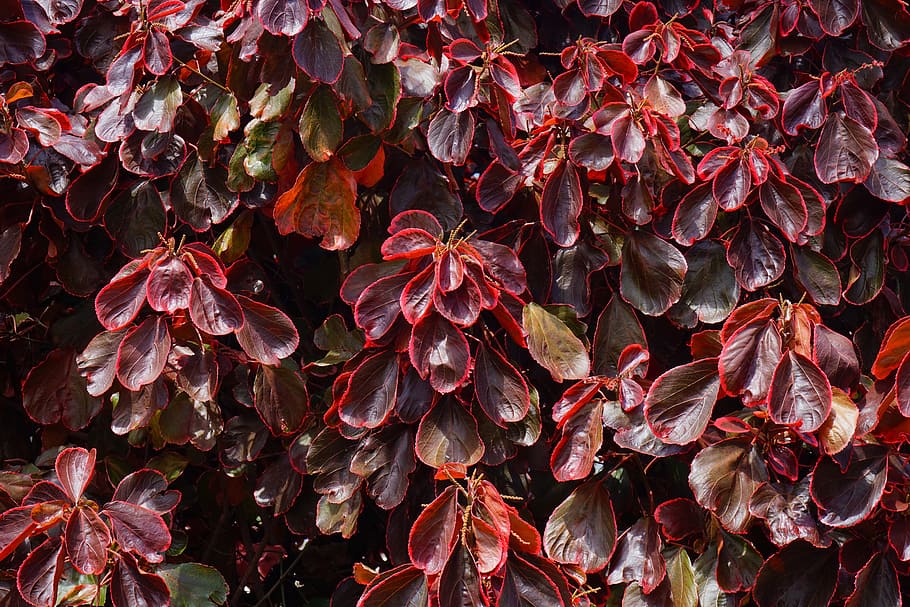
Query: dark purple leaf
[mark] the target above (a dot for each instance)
(846, 497)
(846, 151)
(138, 530)
(448, 434)
(212, 309)
(280, 398)
(371, 391)
(40, 573)
(267, 334)
(500, 388)
(652, 273)
(450, 136)
(131, 587)
(680, 402)
(318, 52)
(287, 17)
(724, 476)
(87, 539)
(582, 529)
(439, 351)
(797, 576)
(637, 557)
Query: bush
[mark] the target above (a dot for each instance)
(414, 302)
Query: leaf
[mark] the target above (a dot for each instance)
(638, 557)
(147, 488)
(168, 286)
(40, 573)
(501, 390)
(318, 53)
(835, 16)
(20, 42)
(117, 304)
(267, 334)
(710, 290)
(404, 586)
(895, 346)
(459, 585)
(580, 437)
(846, 151)
(681, 575)
(694, 216)
(54, 391)
(617, 328)
(282, 17)
(786, 510)
(138, 530)
(877, 585)
(199, 195)
(737, 563)
(680, 402)
(889, 180)
(87, 540)
(432, 536)
(804, 107)
(553, 345)
(784, 206)
(749, 358)
(723, 477)
(450, 135)
(582, 529)
(448, 434)
(131, 587)
(370, 395)
(561, 203)
(652, 273)
(321, 204)
(193, 585)
(837, 431)
(756, 256)
(280, 398)
(75, 467)
(143, 353)
(439, 351)
(818, 275)
(212, 309)
(846, 497)
(385, 460)
(525, 585)
(797, 576)
(320, 125)
(800, 393)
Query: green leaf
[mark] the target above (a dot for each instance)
(553, 345)
(682, 579)
(320, 125)
(233, 242)
(194, 585)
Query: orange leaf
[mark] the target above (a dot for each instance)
(321, 203)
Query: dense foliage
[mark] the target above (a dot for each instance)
(487, 303)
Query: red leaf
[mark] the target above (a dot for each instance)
(131, 587)
(40, 573)
(212, 309)
(118, 303)
(318, 52)
(267, 334)
(403, 586)
(75, 467)
(138, 530)
(560, 204)
(582, 529)
(371, 392)
(433, 534)
(87, 539)
(439, 350)
(500, 388)
(168, 287)
(680, 402)
(281, 399)
(287, 17)
(143, 353)
(800, 393)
